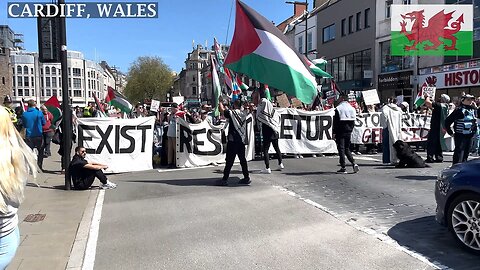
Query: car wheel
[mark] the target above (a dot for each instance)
(464, 221)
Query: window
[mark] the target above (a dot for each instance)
(41, 71)
(19, 81)
(54, 92)
(357, 69)
(344, 22)
(69, 71)
(77, 93)
(89, 85)
(25, 81)
(407, 2)
(32, 80)
(329, 33)
(350, 24)
(54, 82)
(33, 92)
(69, 83)
(20, 92)
(19, 69)
(388, 5)
(54, 71)
(3, 80)
(341, 68)
(366, 60)
(77, 72)
(27, 92)
(335, 68)
(193, 78)
(366, 16)
(349, 67)
(31, 70)
(77, 83)
(49, 92)
(300, 45)
(310, 41)
(194, 90)
(25, 70)
(41, 82)
(358, 20)
(60, 83)
(47, 71)
(47, 82)
(13, 81)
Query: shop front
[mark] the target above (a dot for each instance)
(394, 85)
(454, 79)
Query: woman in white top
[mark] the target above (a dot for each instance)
(16, 161)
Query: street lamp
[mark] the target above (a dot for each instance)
(306, 21)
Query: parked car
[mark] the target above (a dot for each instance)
(457, 192)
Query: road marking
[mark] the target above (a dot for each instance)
(380, 236)
(89, 260)
(185, 169)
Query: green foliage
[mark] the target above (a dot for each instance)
(148, 78)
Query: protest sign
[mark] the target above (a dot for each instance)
(202, 144)
(370, 97)
(155, 105)
(124, 145)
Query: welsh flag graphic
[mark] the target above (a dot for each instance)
(53, 106)
(432, 30)
(260, 51)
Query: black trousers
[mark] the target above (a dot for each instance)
(266, 156)
(36, 142)
(343, 147)
(434, 147)
(85, 181)
(462, 147)
(235, 149)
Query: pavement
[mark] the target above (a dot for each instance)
(177, 219)
(56, 241)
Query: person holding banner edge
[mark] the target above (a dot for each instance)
(343, 124)
(236, 141)
(437, 129)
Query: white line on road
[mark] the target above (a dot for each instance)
(184, 169)
(91, 249)
(380, 236)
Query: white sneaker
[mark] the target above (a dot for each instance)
(314, 156)
(266, 171)
(300, 156)
(355, 168)
(281, 167)
(297, 156)
(109, 185)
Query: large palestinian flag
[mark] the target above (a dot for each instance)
(53, 106)
(260, 51)
(116, 99)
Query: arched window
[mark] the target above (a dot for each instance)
(25, 70)
(47, 71)
(54, 71)
(19, 69)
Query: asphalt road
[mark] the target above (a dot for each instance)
(164, 220)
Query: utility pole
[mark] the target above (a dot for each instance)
(67, 111)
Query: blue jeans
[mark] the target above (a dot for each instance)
(8, 247)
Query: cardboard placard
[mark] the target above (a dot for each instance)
(155, 105)
(370, 97)
(297, 103)
(283, 101)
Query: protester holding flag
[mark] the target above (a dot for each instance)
(343, 124)
(237, 139)
(270, 121)
(435, 141)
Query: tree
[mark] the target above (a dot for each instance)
(148, 78)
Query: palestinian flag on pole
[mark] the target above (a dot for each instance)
(241, 84)
(219, 55)
(101, 111)
(116, 99)
(316, 70)
(217, 90)
(267, 93)
(420, 99)
(260, 51)
(53, 106)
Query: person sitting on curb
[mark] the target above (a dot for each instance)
(83, 172)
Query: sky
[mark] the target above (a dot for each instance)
(170, 36)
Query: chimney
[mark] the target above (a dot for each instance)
(298, 9)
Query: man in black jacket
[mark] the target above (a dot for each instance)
(83, 172)
(343, 124)
(465, 127)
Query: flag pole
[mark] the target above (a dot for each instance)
(67, 113)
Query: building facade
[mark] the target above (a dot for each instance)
(346, 39)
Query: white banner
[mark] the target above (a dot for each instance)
(202, 144)
(124, 145)
(305, 132)
(415, 127)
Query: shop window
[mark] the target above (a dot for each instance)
(349, 67)
(341, 68)
(357, 69)
(335, 68)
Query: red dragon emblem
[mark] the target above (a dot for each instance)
(438, 28)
